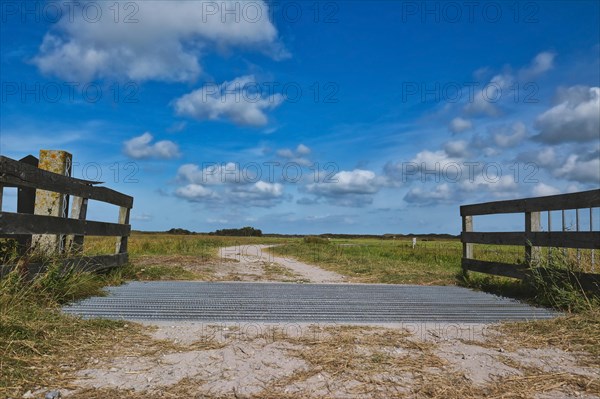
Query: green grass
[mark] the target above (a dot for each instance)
(203, 246)
(438, 262)
(40, 345)
(381, 261)
(34, 333)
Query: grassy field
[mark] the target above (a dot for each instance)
(381, 261)
(36, 336)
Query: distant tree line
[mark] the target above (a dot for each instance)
(243, 232)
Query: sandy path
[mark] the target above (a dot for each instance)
(252, 254)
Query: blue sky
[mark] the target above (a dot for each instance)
(307, 117)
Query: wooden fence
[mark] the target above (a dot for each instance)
(23, 224)
(532, 238)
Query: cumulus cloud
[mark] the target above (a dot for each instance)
(151, 40)
(544, 157)
(285, 153)
(510, 136)
(582, 169)
(357, 181)
(303, 150)
(260, 194)
(500, 186)
(423, 196)
(298, 155)
(458, 125)
(349, 188)
(234, 100)
(426, 164)
(213, 173)
(489, 95)
(542, 190)
(542, 62)
(195, 193)
(457, 149)
(485, 100)
(141, 147)
(229, 184)
(576, 117)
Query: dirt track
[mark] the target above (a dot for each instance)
(251, 254)
(328, 361)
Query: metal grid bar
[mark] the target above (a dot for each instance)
(287, 302)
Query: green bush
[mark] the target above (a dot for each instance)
(315, 240)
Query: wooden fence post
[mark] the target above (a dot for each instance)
(121, 246)
(50, 203)
(532, 224)
(467, 226)
(78, 211)
(26, 204)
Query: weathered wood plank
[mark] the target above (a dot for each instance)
(78, 212)
(22, 175)
(560, 239)
(467, 247)
(15, 223)
(121, 245)
(584, 199)
(586, 281)
(496, 268)
(533, 223)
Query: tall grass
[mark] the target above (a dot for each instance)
(34, 332)
(439, 262)
(203, 246)
(381, 261)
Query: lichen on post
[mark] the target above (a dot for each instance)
(50, 203)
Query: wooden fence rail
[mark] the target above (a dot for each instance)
(532, 238)
(24, 223)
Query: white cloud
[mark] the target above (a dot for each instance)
(485, 100)
(427, 165)
(233, 100)
(542, 190)
(296, 156)
(357, 181)
(285, 153)
(546, 156)
(348, 188)
(214, 173)
(230, 184)
(489, 95)
(503, 186)
(195, 193)
(162, 41)
(457, 149)
(303, 150)
(260, 194)
(440, 194)
(542, 62)
(575, 118)
(510, 136)
(458, 125)
(259, 190)
(140, 147)
(582, 169)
